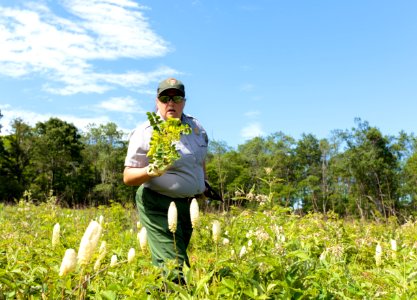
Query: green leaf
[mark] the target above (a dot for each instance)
(109, 295)
(202, 282)
(228, 283)
(162, 151)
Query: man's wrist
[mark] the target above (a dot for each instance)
(152, 172)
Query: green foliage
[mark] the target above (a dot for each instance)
(162, 151)
(286, 257)
(104, 151)
(358, 172)
(57, 158)
(15, 165)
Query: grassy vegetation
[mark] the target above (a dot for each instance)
(271, 254)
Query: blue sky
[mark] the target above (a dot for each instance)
(251, 68)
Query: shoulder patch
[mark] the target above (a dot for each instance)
(188, 116)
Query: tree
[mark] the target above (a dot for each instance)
(226, 170)
(373, 168)
(408, 184)
(57, 158)
(1, 116)
(105, 152)
(257, 156)
(8, 183)
(19, 145)
(281, 148)
(216, 163)
(308, 171)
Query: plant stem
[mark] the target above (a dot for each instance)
(80, 284)
(217, 250)
(177, 260)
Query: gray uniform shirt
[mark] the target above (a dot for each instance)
(186, 177)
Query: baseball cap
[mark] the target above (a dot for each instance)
(171, 83)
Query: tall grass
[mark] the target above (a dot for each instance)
(286, 256)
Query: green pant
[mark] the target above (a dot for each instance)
(153, 214)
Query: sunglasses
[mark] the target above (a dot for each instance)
(175, 99)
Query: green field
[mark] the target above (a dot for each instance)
(286, 257)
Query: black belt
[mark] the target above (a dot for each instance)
(189, 199)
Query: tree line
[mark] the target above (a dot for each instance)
(356, 172)
(53, 159)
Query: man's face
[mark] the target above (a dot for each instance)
(170, 109)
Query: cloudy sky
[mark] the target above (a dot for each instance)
(251, 68)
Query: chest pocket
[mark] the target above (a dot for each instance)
(193, 147)
(201, 146)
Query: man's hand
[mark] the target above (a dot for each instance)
(154, 171)
(211, 193)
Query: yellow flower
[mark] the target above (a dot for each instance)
(172, 217)
(194, 212)
(69, 262)
(55, 235)
(89, 242)
(216, 230)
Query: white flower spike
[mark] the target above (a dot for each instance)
(55, 235)
(378, 254)
(89, 242)
(69, 262)
(194, 213)
(143, 239)
(242, 251)
(393, 245)
(113, 260)
(131, 255)
(172, 217)
(216, 230)
(101, 254)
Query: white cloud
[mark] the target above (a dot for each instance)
(134, 79)
(250, 7)
(31, 118)
(246, 68)
(252, 114)
(251, 130)
(36, 41)
(248, 87)
(126, 104)
(82, 123)
(119, 28)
